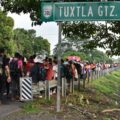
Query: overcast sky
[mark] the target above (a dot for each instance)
(46, 30)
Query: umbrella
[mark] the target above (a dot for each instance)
(76, 58)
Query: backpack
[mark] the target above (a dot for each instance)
(62, 71)
(14, 67)
(42, 73)
(1, 65)
(37, 73)
(68, 72)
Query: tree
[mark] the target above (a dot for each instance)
(27, 43)
(26, 6)
(96, 56)
(95, 34)
(21, 40)
(66, 45)
(107, 36)
(73, 47)
(6, 31)
(92, 56)
(80, 33)
(100, 37)
(41, 46)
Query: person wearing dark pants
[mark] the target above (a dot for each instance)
(4, 74)
(15, 87)
(7, 88)
(2, 89)
(16, 73)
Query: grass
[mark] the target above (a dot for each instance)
(30, 107)
(106, 118)
(35, 105)
(108, 84)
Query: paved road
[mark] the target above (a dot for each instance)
(9, 108)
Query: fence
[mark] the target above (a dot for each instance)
(99, 73)
(46, 86)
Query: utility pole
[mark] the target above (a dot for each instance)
(59, 66)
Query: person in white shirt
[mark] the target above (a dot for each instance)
(55, 69)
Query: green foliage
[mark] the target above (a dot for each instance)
(84, 30)
(106, 118)
(92, 56)
(97, 56)
(105, 35)
(35, 105)
(6, 25)
(71, 46)
(21, 40)
(28, 44)
(41, 45)
(29, 107)
(76, 99)
(18, 6)
(95, 34)
(11, 47)
(6, 30)
(108, 84)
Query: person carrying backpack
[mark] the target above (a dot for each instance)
(15, 73)
(4, 74)
(37, 71)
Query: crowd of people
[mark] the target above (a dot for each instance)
(40, 69)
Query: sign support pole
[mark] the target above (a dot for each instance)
(59, 64)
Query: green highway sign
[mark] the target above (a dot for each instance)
(80, 11)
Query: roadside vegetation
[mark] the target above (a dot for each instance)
(100, 100)
(109, 84)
